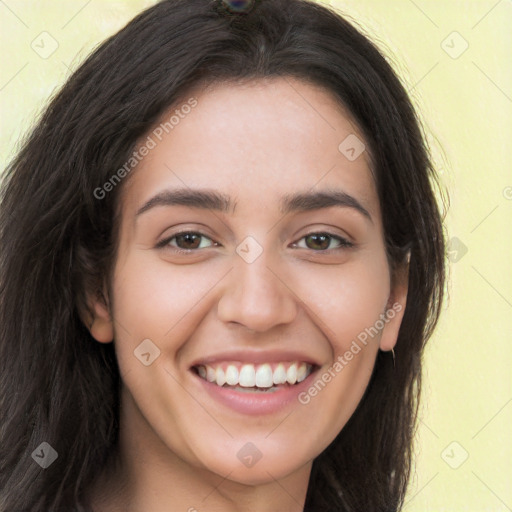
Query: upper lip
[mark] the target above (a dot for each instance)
(256, 357)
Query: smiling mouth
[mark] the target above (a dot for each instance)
(266, 377)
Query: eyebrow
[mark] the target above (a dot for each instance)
(204, 198)
(322, 199)
(207, 199)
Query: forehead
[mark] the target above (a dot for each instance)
(256, 142)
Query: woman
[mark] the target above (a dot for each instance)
(222, 259)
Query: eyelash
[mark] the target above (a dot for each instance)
(343, 242)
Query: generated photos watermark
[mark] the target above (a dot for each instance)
(343, 360)
(144, 150)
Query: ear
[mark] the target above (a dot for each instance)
(99, 319)
(395, 308)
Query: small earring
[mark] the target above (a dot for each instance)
(393, 354)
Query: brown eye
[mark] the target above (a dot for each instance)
(318, 242)
(188, 240)
(323, 242)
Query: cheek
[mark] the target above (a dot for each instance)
(162, 303)
(347, 304)
(348, 300)
(154, 298)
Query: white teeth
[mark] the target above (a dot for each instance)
(302, 372)
(232, 375)
(279, 374)
(264, 376)
(221, 376)
(291, 374)
(247, 378)
(260, 376)
(210, 374)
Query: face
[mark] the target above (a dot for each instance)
(251, 284)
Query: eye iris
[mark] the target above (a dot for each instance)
(320, 242)
(191, 240)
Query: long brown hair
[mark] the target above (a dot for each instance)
(58, 240)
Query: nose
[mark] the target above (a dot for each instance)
(257, 296)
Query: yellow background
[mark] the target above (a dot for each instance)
(466, 102)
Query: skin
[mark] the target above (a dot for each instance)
(256, 143)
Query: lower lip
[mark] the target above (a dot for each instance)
(258, 402)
